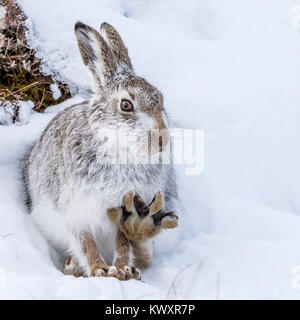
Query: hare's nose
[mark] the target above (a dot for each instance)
(164, 138)
(160, 143)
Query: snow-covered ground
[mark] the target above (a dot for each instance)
(230, 67)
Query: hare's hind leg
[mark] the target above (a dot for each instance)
(123, 258)
(87, 260)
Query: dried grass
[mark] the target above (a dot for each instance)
(20, 75)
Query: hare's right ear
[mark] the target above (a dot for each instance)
(95, 53)
(116, 45)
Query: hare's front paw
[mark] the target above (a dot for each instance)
(139, 221)
(121, 273)
(102, 270)
(124, 273)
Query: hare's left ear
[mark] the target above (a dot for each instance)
(116, 45)
(95, 54)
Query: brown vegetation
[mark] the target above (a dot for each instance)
(20, 75)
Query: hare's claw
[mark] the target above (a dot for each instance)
(124, 273)
(167, 220)
(121, 273)
(99, 272)
(116, 273)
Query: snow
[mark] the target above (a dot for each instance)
(6, 113)
(8, 110)
(2, 17)
(228, 67)
(55, 91)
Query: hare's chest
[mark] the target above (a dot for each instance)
(124, 181)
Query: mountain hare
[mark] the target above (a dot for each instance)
(75, 188)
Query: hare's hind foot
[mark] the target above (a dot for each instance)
(139, 221)
(72, 268)
(122, 273)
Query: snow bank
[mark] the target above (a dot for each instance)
(20, 110)
(228, 67)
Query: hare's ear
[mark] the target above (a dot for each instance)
(116, 45)
(95, 53)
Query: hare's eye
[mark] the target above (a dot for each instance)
(126, 105)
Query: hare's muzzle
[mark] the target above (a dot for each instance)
(160, 139)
